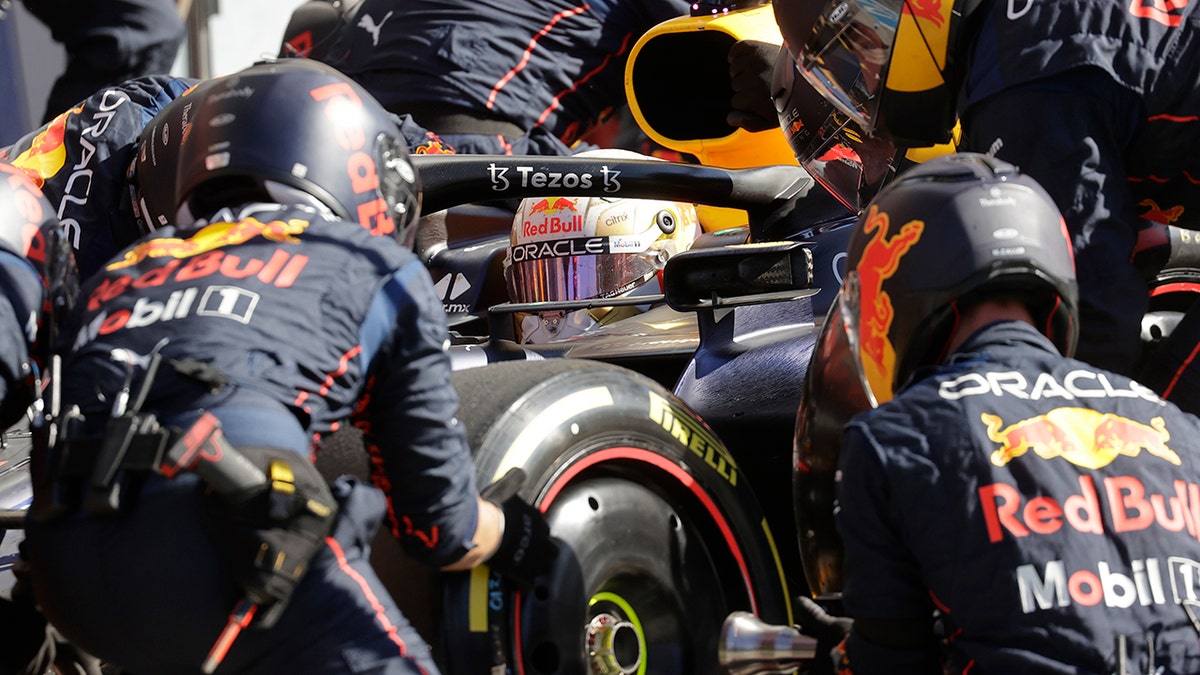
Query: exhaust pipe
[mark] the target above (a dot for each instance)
(750, 646)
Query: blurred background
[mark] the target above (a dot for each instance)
(223, 36)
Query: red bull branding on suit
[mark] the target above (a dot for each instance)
(46, 154)
(1101, 503)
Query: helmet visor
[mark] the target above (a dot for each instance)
(828, 143)
(535, 274)
(846, 55)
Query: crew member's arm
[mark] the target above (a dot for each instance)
(883, 592)
(418, 448)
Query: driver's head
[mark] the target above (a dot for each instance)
(296, 132)
(582, 248)
(946, 234)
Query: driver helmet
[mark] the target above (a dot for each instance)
(947, 233)
(583, 248)
(893, 67)
(296, 131)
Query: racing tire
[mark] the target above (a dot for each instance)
(659, 539)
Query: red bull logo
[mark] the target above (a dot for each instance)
(553, 205)
(879, 261)
(433, 146)
(1156, 214)
(211, 237)
(930, 10)
(46, 154)
(29, 207)
(1167, 12)
(1086, 438)
(345, 113)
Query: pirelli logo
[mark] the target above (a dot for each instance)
(693, 436)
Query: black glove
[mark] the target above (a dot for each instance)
(751, 65)
(829, 630)
(526, 549)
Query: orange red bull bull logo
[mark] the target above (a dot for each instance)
(212, 237)
(553, 205)
(1156, 214)
(930, 10)
(879, 261)
(46, 154)
(1090, 440)
(1084, 437)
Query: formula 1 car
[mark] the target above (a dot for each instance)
(659, 447)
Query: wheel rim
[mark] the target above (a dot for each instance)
(655, 574)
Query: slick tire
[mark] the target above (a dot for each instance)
(660, 537)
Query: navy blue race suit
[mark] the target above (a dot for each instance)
(549, 69)
(1041, 506)
(1098, 100)
(303, 324)
(81, 160)
(108, 42)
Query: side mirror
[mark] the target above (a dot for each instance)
(742, 274)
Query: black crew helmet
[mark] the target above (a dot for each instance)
(29, 228)
(152, 175)
(946, 233)
(297, 131)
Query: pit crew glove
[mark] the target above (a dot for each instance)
(751, 64)
(526, 549)
(829, 630)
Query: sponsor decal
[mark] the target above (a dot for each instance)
(502, 178)
(929, 10)
(879, 261)
(1075, 384)
(1084, 437)
(212, 237)
(344, 110)
(693, 435)
(553, 205)
(1156, 214)
(225, 302)
(450, 288)
(367, 23)
(77, 189)
(1148, 581)
(433, 146)
(46, 154)
(560, 248)
(552, 225)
